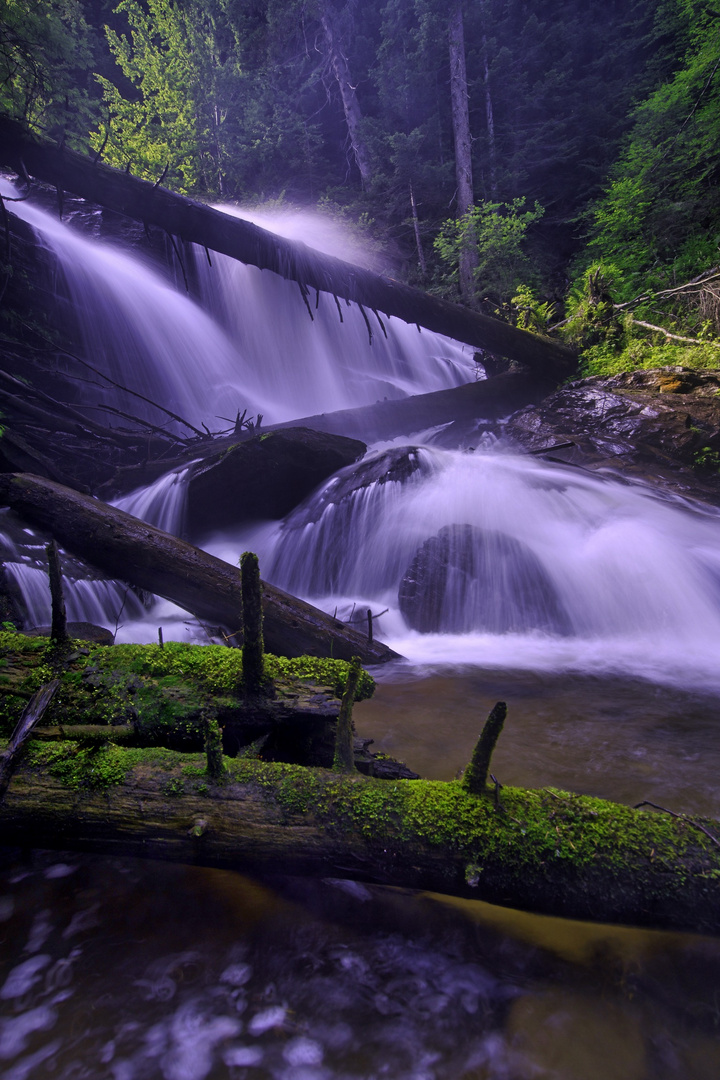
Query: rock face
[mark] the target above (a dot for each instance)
(467, 578)
(664, 422)
(264, 477)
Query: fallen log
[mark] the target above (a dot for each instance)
(199, 224)
(542, 851)
(129, 549)
(31, 715)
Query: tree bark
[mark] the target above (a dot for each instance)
(199, 224)
(351, 106)
(463, 141)
(541, 851)
(151, 559)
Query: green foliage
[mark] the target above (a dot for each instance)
(659, 221)
(47, 51)
(496, 233)
(532, 314)
(707, 459)
(184, 83)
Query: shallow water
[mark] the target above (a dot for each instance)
(621, 739)
(115, 968)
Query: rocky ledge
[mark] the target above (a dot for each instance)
(663, 424)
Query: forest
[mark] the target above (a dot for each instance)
(554, 167)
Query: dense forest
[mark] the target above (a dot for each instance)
(555, 165)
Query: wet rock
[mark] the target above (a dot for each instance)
(664, 423)
(395, 465)
(467, 578)
(379, 765)
(84, 631)
(264, 477)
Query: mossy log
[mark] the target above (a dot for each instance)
(543, 851)
(147, 695)
(127, 548)
(199, 224)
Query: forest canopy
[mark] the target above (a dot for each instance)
(546, 164)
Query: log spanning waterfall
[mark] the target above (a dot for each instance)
(485, 557)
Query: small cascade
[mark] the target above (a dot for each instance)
(89, 597)
(510, 560)
(161, 503)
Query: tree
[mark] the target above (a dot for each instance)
(497, 233)
(174, 125)
(659, 220)
(47, 51)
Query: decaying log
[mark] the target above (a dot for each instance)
(151, 559)
(541, 851)
(31, 715)
(196, 223)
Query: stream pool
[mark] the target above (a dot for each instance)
(120, 969)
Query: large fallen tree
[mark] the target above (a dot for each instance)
(196, 223)
(544, 851)
(126, 548)
(68, 783)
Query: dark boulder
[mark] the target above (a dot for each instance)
(264, 477)
(467, 578)
(82, 631)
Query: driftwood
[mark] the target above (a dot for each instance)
(196, 223)
(151, 559)
(32, 714)
(541, 851)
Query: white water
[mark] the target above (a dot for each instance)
(252, 345)
(635, 578)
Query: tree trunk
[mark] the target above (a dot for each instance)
(463, 141)
(351, 106)
(151, 559)
(541, 851)
(199, 224)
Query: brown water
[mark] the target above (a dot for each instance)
(617, 739)
(118, 969)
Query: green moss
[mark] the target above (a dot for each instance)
(94, 767)
(160, 690)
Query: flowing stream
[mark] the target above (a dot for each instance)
(591, 605)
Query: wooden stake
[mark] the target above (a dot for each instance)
(476, 774)
(252, 614)
(370, 630)
(344, 760)
(58, 631)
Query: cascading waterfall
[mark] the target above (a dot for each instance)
(529, 564)
(526, 564)
(251, 345)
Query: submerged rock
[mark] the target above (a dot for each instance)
(467, 578)
(264, 477)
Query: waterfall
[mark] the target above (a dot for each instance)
(482, 558)
(529, 564)
(251, 343)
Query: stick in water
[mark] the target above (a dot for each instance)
(476, 774)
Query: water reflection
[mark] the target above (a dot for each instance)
(115, 968)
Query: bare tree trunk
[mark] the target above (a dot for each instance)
(351, 106)
(489, 119)
(463, 141)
